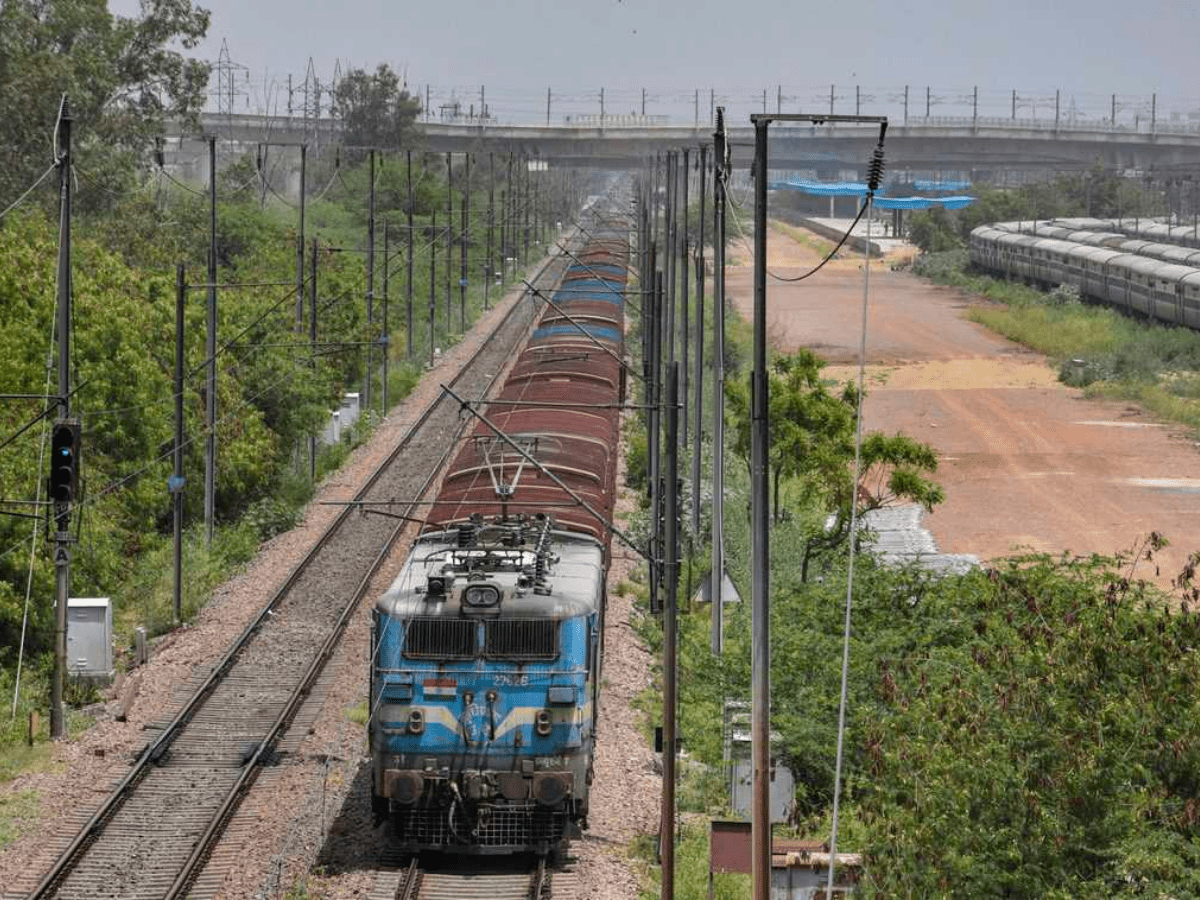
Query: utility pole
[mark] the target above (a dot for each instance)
(385, 340)
(63, 478)
(463, 241)
(487, 271)
(525, 206)
(300, 243)
(683, 302)
(370, 281)
(312, 340)
(175, 484)
(698, 388)
(547, 106)
(760, 632)
(653, 427)
(670, 634)
(210, 387)
(673, 248)
(449, 233)
(760, 678)
(717, 577)
(433, 238)
(409, 287)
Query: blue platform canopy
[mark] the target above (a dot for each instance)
(823, 188)
(855, 189)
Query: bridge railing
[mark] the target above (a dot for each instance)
(1030, 124)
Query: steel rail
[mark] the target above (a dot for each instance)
(406, 889)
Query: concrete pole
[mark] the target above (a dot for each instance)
(370, 281)
(312, 341)
(176, 486)
(300, 242)
(449, 233)
(62, 552)
(698, 380)
(433, 237)
(409, 262)
(718, 437)
(385, 335)
(670, 634)
(685, 330)
(464, 238)
(487, 273)
(760, 723)
(210, 349)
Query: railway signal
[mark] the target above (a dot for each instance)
(64, 469)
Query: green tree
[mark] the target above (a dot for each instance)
(121, 76)
(1051, 749)
(376, 110)
(811, 444)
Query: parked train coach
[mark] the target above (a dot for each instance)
(486, 647)
(1158, 289)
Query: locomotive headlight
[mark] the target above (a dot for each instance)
(542, 723)
(416, 721)
(481, 595)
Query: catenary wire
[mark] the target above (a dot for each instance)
(858, 440)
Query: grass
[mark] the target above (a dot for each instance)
(691, 867)
(18, 814)
(1112, 355)
(357, 713)
(805, 238)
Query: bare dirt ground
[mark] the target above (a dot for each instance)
(1027, 463)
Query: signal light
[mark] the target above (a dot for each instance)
(64, 461)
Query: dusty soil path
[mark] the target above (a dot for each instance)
(1027, 463)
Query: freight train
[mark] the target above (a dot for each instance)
(1159, 289)
(486, 648)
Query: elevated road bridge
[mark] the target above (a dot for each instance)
(977, 148)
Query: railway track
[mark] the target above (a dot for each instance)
(150, 838)
(411, 882)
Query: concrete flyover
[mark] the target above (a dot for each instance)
(979, 148)
(934, 145)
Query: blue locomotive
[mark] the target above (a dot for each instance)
(483, 683)
(486, 648)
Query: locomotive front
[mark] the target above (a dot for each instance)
(482, 687)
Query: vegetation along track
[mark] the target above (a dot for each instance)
(538, 881)
(153, 833)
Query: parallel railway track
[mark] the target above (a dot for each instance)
(152, 835)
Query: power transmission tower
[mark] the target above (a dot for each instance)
(312, 102)
(227, 87)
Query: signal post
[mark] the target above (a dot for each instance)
(64, 442)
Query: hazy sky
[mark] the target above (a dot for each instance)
(516, 49)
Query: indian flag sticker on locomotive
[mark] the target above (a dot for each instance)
(441, 687)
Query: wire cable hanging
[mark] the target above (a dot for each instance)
(30, 190)
(875, 175)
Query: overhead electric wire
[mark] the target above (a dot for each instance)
(28, 191)
(179, 184)
(858, 441)
(34, 532)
